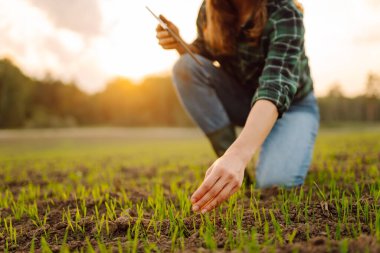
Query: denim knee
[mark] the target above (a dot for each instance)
(184, 69)
(265, 180)
(287, 152)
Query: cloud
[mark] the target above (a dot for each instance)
(80, 16)
(38, 46)
(8, 44)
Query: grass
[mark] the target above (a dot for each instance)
(96, 191)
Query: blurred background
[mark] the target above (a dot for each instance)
(97, 62)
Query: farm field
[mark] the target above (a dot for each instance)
(127, 190)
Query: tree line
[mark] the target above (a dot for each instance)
(30, 103)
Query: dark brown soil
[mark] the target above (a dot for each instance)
(309, 236)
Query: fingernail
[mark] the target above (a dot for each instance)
(204, 211)
(195, 208)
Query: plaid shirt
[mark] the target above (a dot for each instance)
(278, 67)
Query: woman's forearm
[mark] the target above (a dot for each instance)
(226, 174)
(260, 122)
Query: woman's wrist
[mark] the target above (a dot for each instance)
(180, 49)
(243, 153)
(261, 119)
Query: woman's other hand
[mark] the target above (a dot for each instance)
(223, 179)
(165, 39)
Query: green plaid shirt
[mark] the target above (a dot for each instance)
(278, 67)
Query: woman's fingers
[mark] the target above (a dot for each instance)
(208, 172)
(167, 41)
(163, 35)
(165, 20)
(169, 24)
(220, 183)
(207, 184)
(226, 192)
(210, 194)
(170, 46)
(159, 28)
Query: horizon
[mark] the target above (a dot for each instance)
(140, 81)
(105, 42)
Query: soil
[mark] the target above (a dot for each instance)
(309, 237)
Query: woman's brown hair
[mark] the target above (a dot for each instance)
(223, 24)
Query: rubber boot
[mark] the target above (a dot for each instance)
(221, 140)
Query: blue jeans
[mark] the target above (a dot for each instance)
(213, 99)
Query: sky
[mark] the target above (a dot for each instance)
(93, 41)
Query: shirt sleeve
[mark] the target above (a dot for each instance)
(279, 80)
